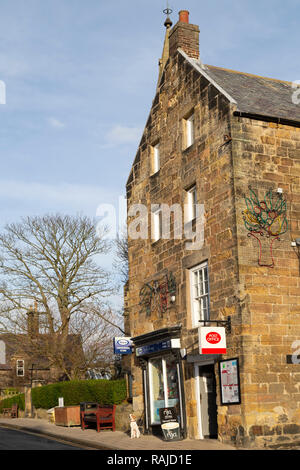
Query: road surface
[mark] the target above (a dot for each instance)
(11, 439)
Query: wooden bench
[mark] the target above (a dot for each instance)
(11, 412)
(103, 416)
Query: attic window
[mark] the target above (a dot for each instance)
(20, 369)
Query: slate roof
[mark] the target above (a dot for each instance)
(17, 344)
(252, 94)
(258, 95)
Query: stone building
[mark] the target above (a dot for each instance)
(25, 357)
(223, 146)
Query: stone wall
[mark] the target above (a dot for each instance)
(229, 155)
(267, 156)
(207, 163)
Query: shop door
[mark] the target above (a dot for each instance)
(164, 387)
(208, 404)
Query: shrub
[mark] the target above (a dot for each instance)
(105, 392)
(8, 402)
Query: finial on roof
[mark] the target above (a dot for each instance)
(165, 55)
(167, 11)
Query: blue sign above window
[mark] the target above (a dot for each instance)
(153, 348)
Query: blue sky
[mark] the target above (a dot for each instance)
(80, 78)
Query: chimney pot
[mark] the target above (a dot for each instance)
(184, 36)
(184, 16)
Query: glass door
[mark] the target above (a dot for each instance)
(164, 389)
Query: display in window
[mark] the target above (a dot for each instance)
(164, 391)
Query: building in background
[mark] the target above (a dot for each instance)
(224, 146)
(28, 358)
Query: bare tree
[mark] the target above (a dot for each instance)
(121, 260)
(48, 266)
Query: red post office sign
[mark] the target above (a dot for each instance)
(212, 340)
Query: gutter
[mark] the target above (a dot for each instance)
(263, 117)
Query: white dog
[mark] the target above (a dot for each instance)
(135, 432)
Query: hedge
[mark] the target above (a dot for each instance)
(105, 392)
(8, 402)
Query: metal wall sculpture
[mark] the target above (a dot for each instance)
(157, 295)
(265, 218)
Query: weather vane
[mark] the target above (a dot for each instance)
(167, 11)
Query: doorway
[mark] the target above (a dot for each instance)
(164, 387)
(206, 393)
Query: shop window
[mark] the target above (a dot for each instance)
(199, 286)
(164, 390)
(20, 368)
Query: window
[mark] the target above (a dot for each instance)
(191, 204)
(155, 157)
(20, 368)
(199, 286)
(156, 226)
(188, 131)
(164, 389)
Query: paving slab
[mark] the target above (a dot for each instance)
(106, 439)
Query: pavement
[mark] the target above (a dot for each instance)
(106, 439)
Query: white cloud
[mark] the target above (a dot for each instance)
(56, 123)
(120, 135)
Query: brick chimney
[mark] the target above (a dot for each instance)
(33, 322)
(185, 36)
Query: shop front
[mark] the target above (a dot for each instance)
(158, 354)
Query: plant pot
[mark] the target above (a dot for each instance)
(67, 415)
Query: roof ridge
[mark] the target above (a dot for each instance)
(249, 74)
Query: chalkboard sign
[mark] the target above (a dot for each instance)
(169, 424)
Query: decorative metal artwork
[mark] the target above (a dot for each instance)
(265, 218)
(157, 295)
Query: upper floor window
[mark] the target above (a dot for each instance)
(199, 287)
(20, 368)
(189, 131)
(156, 225)
(191, 204)
(155, 159)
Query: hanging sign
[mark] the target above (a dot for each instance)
(122, 345)
(212, 340)
(169, 424)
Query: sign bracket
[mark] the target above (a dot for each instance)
(226, 323)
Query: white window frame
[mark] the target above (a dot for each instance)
(197, 310)
(165, 387)
(151, 388)
(191, 199)
(190, 130)
(155, 159)
(156, 222)
(20, 367)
